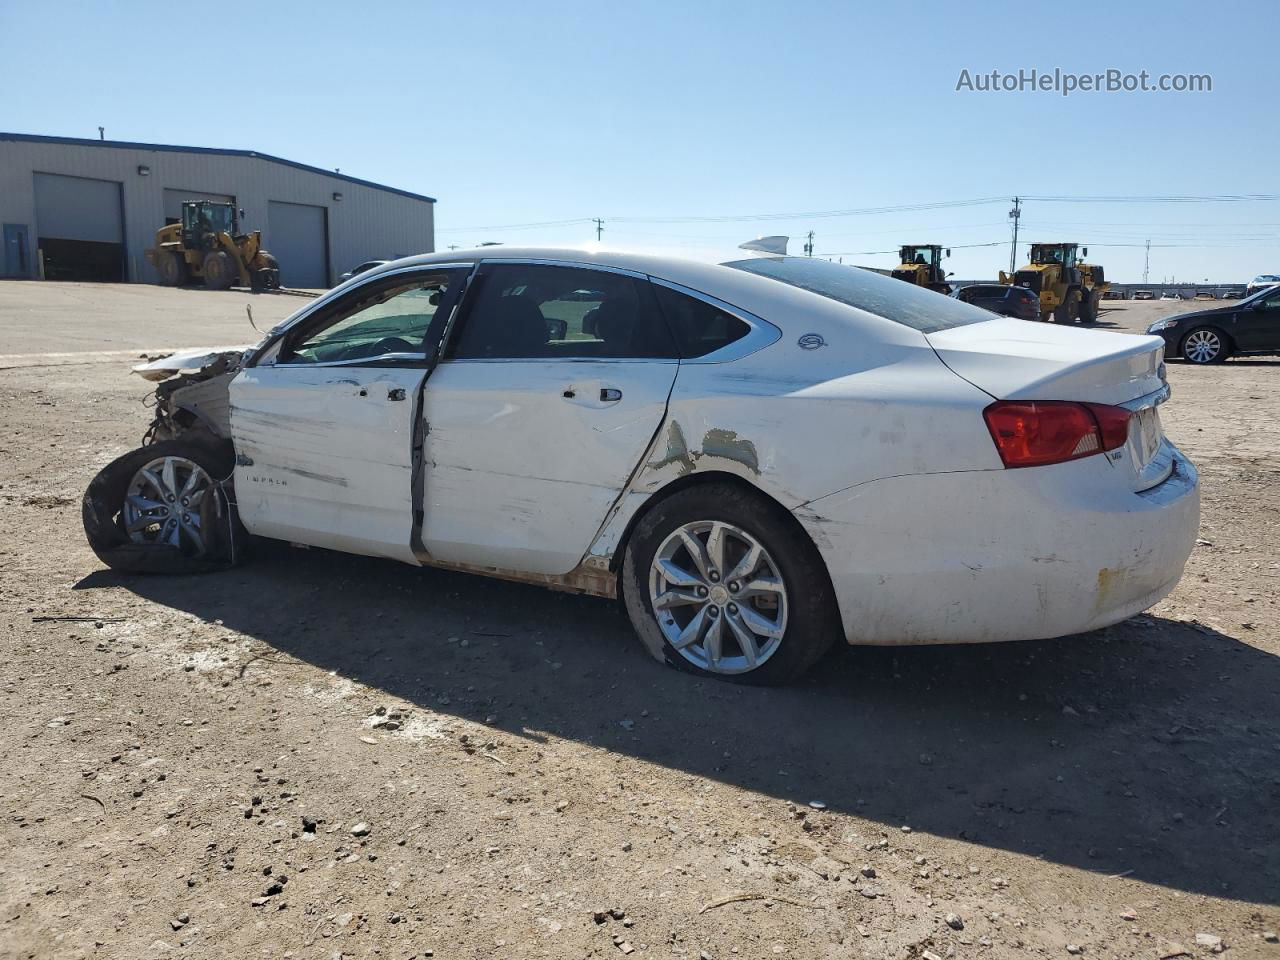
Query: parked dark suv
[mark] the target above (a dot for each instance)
(1251, 325)
(1001, 298)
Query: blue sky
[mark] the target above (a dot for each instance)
(511, 113)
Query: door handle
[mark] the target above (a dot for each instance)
(395, 393)
(610, 394)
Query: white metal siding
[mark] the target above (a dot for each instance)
(295, 236)
(73, 208)
(368, 223)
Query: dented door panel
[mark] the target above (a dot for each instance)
(326, 455)
(523, 459)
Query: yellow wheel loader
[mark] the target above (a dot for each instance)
(921, 264)
(1068, 288)
(207, 244)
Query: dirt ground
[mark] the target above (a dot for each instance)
(319, 756)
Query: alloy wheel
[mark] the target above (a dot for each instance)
(1202, 346)
(718, 596)
(167, 502)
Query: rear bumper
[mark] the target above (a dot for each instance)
(986, 556)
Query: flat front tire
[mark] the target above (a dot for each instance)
(720, 582)
(162, 509)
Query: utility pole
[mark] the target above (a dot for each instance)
(102, 133)
(453, 246)
(1146, 264)
(808, 246)
(1015, 215)
(599, 228)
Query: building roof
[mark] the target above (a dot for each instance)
(218, 151)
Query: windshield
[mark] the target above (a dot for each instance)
(903, 303)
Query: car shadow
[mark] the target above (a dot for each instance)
(1148, 749)
(1231, 362)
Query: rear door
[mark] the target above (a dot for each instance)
(552, 387)
(325, 421)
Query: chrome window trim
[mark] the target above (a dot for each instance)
(762, 333)
(574, 264)
(565, 360)
(374, 361)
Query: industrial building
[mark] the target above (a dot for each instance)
(82, 209)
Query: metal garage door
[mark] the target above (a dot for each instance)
(80, 227)
(173, 200)
(297, 236)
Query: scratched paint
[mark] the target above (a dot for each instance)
(677, 452)
(727, 445)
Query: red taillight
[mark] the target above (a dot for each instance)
(1032, 433)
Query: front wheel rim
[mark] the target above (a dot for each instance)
(167, 502)
(1202, 346)
(718, 597)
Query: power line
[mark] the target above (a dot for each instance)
(873, 211)
(1212, 198)
(870, 253)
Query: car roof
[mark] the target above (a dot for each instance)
(701, 270)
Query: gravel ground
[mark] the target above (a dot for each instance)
(319, 756)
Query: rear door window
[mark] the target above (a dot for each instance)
(539, 311)
(699, 327)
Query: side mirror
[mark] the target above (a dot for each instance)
(948, 254)
(1084, 251)
(951, 273)
(557, 329)
(1258, 305)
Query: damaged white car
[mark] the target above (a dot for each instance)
(756, 453)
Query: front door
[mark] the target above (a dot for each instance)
(1257, 326)
(552, 388)
(17, 251)
(326, 422)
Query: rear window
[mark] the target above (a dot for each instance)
(886, 297)
(992, 290)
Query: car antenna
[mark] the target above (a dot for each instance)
(248, 308)
(774, 244)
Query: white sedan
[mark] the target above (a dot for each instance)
(756, 453)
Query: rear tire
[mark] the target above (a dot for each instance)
(1205, 345)
(172, 269)
(772, 620)
(169, 535)
(220, 271)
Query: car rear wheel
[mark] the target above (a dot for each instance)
(719, 582)
(1204, 345)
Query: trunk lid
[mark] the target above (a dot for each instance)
(1025, 360)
